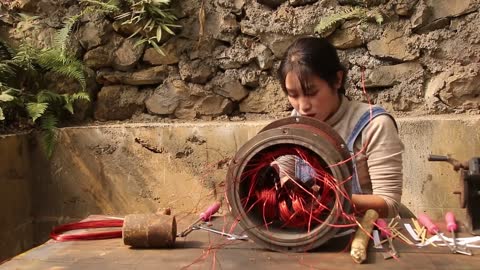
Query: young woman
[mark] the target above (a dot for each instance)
(313, 79)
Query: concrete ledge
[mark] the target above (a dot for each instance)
(138, 166)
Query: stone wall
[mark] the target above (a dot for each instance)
(16, 219)
(423, 59)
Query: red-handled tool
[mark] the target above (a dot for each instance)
(433, 229)
(207, 215)
(452, 227)
(386, 233)
(204, 216)
(383, 227)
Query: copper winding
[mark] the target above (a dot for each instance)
(268, 213)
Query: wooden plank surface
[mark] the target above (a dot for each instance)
(202, 250)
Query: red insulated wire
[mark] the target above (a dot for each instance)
(56, 233)
(332, 191)
(364, 146)
(268, 203)
(297, 207)
(287, 216)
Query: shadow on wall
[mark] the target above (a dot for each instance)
(126, 169)
(16, 219)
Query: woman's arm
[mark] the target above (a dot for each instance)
(385, 163)
(363, 202)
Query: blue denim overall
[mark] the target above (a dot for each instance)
(304, 172)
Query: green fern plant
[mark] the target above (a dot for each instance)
(330, 23)
(60, 40)
(48, 124)
(57, 61)
(29, 93)
(5, 96)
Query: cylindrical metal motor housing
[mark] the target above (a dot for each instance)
(306, 132)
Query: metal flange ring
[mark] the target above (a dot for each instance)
(308, 133)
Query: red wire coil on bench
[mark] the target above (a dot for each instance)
(57, 232)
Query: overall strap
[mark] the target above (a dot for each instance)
(357, 130)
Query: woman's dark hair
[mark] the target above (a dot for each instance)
(312, 56)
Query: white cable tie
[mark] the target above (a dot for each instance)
(468, 240)
(376, 240)
(429, 241)
(412, 232)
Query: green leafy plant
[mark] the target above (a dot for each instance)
(330, 23)
(150, 18)
(24, 90)
(5, 96)
(109, 6)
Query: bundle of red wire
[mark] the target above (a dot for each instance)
(295, 204)
(57, 232)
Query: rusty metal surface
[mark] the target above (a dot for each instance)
(305, 132)
(201, 250)
(149, 231)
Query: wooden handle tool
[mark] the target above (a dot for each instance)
(362, 236)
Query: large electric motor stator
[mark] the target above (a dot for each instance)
(303, 213)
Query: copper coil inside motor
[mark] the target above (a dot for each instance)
(304, 211)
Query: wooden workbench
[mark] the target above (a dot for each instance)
(200, 250)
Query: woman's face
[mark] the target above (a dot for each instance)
(321, 101)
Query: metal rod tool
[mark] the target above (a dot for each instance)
(204, 216)
(452, 227)
(386, 233)
(433, 229)
(229, 236)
